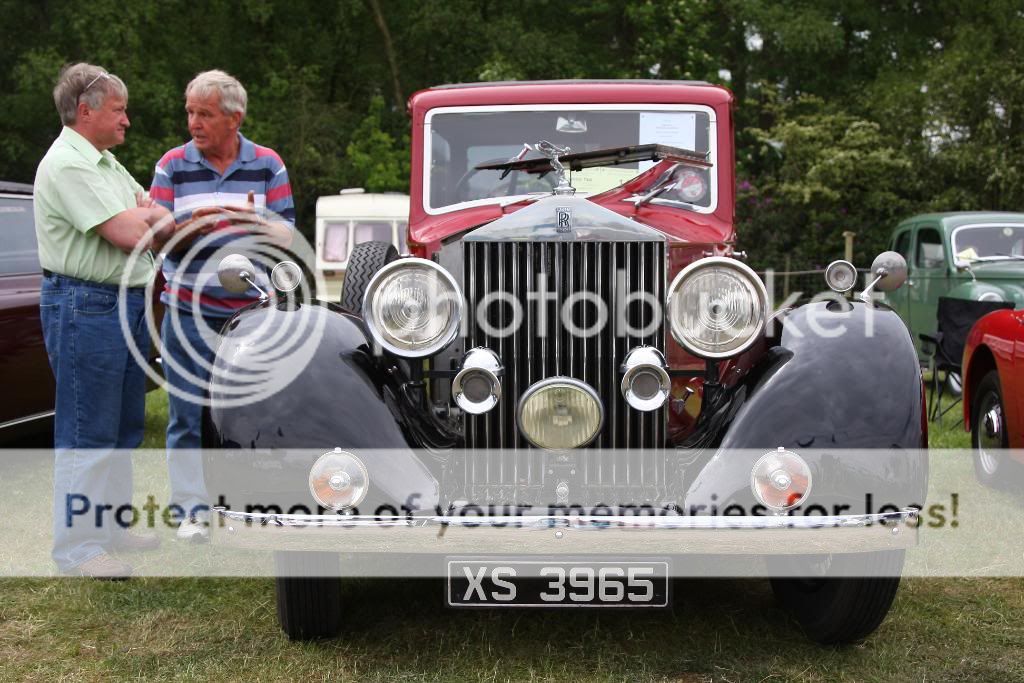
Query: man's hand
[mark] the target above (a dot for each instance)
(237, 219)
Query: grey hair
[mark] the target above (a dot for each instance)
(87, 83)
(233, 97)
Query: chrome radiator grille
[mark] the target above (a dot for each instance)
(545, 345)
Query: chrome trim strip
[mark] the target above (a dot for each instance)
(776, 535)
(634, 106)
(28, 418)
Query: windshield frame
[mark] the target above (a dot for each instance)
(578, 106)
(961, 263)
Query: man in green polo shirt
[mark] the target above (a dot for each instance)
(90, 216)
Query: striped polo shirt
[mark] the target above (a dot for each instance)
(184, 181)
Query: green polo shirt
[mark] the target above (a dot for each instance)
(77, 188)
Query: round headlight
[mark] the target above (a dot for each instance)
(412, 307)
(717, 307)
(338, 480)
(560, 413)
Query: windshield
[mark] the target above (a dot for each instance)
(459, 140)
(988, 242)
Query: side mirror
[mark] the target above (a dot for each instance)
(890, 271)
(236, 273)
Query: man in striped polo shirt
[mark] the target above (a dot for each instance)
(225, 191)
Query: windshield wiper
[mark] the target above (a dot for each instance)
(604, 157)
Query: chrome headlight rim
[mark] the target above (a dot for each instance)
(379, 336)
(536, 387)
(760, 292)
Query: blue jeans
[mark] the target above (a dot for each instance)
(185, 351)
(100, 410)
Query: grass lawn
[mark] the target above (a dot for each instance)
(728, 630)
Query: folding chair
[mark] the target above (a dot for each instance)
(954, 320)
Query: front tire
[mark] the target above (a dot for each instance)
(989, 436)
(364, 262)
(308, 594)
(843, 608)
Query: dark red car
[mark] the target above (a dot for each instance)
(993, 382)
(26, 406)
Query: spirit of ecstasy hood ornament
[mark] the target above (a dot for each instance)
(553, 152)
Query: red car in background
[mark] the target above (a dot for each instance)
(26, 408)
(993, 382)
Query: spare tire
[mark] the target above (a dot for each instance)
(364, 262)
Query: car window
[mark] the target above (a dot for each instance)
(460, 140)
(372, 231)
(989, 241)
(20, 253)
(336, 241)
(902, 244)
(930, 253)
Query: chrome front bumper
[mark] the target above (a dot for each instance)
(547, 535)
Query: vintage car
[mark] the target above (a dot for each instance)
(993, 386)
(26, 411)
(573, 380)
(965, 255)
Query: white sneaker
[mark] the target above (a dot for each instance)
(194, 530)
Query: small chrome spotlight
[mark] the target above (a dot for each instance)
(286, 276)
(645, 381)
(841, 276)
(477, 388)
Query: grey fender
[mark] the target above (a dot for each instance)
(843, 390)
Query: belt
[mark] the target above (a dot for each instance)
(90, 283)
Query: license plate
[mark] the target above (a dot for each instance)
(542, 583)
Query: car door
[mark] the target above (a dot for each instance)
(899, 299)
(928, 278)
(24, 367)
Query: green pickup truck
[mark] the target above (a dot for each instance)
(967, 255)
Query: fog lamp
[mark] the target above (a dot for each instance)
(338, 480)
(560, 413)
(645, 381)
(476, 388)
(780, 480)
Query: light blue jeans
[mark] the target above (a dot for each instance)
(100, 411)
(185, 352)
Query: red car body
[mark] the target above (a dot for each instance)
(692, 236)
(996, 342)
